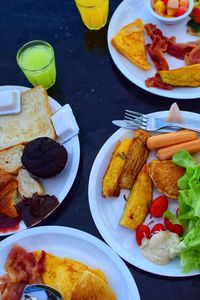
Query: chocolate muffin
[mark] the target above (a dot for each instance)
(43, 157)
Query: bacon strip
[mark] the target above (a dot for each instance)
(193, 57)
(157, 82)
(22, 268)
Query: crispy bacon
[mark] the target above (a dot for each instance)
(157, 82)
(193, 57)
(22, 268)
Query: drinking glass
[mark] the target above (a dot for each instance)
(36, 59)
(94, 13)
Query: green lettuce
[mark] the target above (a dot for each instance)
(189, 210)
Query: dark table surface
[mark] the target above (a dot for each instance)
(89, 81)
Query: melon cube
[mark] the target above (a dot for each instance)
(173, 4)
(184, 3)
(170, 12)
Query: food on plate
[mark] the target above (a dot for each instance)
(142, 231)
(10, 159)
(36, 208)
(129, 41)
(33, 120)
(22, 268)
(43, 157)
(172, 224)
(27, 185)
(135, 159)
(184, 76)
(168, 139)
(194, 23)
(71, 277)
(110, 183)
(138, 202)
(158, 206)
(167, 152)
(8, 194)
(91, 286)
(165, 175)
(157, 249)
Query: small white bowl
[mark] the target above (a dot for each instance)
(171, 20)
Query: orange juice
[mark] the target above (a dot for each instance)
(94, 13)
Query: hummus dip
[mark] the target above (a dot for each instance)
(157, 249)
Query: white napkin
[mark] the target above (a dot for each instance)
(65, 124)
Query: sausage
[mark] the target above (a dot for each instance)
(167, 152)
(172, 138)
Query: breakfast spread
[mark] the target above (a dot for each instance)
(73, 279)
(166, 77)
(161, 233)
(28, 153)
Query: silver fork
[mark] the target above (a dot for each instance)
(152, 124)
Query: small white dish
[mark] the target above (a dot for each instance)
(10, 102)
(170, 20)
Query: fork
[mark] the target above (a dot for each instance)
(152, 124)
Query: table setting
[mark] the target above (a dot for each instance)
(99, 150)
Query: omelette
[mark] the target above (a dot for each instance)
(129, 41)
(63, 273)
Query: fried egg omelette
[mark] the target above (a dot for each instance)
(129, 41)
(63, 274)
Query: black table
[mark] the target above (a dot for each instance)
(88, 80)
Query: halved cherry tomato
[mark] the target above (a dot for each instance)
(158, 206)
(158, 227)
(180, 11)
(196, 14)
(176, 228)
(141, 232)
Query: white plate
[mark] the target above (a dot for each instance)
(78, 245)
(126, 13)
(60, 184)
(107, 212)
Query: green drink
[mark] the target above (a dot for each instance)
(37, 61)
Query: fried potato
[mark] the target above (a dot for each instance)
(138, 202)
(165, 175)
(110, 184)
(185, 76)
(136, 157)
(62, 273)
(129, 41)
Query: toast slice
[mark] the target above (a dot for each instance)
(32, 122)
(10, 159)
(27, 185)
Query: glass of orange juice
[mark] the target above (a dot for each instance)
(36, 59)
(94, 13)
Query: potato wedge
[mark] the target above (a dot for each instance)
(138, 202)
(136, 157)
(110, 184)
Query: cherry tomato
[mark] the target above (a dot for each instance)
(141, 232)
(196, 14)
(176, 228)
(180, 11)
(158, 206)
(158, 227)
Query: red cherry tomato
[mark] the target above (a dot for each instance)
(176, 228)
(158, 206)
(158, 227)
(196, 14)
(141, 232)
(180, 11)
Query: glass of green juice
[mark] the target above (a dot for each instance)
(36, 59)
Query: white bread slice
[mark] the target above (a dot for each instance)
(10, 159)
(33, 121)
(27, 185)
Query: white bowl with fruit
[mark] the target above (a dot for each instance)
(170, 11)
